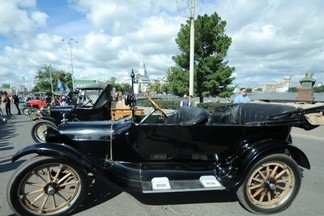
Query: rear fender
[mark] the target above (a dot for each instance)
(62, 150)
(250, 156)
(256, 152)
(299, 156)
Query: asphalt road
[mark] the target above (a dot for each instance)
(102, 201)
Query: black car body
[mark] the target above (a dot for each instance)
(84, 111)
(247, 148)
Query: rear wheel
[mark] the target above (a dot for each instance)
(39, 129)
(47, 186)
(271, 185)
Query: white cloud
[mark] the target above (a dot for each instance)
(19, 17)
(270, 39)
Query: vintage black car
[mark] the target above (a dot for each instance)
(247, 148)
(87, 110)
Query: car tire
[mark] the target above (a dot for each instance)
(39, 128)
(47, 186)
(25, 110)
(271, 185)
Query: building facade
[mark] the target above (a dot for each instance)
(280, 86)
(142, 79)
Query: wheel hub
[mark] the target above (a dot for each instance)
(51, 189)
(270, 184)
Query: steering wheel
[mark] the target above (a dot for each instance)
(157, 107)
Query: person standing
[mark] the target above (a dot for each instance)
(242, 97)
(64, 101)
(191, 101)
(184, 101)
(1, 113)
(7, 101)
(16, 102)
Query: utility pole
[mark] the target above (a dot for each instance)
(70, 41)
(192, 8)
(192, 47)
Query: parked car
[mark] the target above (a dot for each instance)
(247, 148)
(36, 103)
(84, 110)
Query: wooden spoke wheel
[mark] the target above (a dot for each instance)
(46, 186)
(271, 185)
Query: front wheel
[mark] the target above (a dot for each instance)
(35, 116)
(39, 129)
(271, 185)
(25, 110)
(47, 186)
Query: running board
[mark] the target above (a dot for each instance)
(164, 185)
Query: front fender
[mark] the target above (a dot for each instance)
(48, 118)
(62, 150)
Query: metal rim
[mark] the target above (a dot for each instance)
(40, 132)
(49, 188)
(26, 111)
(270, 185)
(35, 116)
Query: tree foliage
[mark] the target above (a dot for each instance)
(47, 75)
(319, 89)
(123, 87)
(211, 73)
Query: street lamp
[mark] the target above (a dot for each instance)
(133, 80)
(70, 41)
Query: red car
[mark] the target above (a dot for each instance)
(37, 103)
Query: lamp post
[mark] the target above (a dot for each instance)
(133, 80)
(70, 41)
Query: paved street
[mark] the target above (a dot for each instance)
(16, 134)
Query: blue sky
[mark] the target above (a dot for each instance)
(270, 39)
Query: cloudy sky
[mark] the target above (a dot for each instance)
(270, 38)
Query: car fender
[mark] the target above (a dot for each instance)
(245, 160)
(61, 150)
(48, 118)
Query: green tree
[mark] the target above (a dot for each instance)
(211, 74)
(319, 89)
(123, 87)
(126, 87)
(155, 88)
(48, 74)
(165, 88)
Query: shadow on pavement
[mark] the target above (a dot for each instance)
(7, 131)
(99, 192)
(6, 165)
(186, 197)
